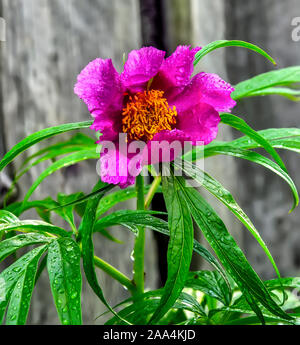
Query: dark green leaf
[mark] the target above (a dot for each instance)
(144, 305)
(36, 226)
(112, 199)
(18, 279)
(85, 235)
(84, 198)
(63, 264)
(180, 246)
(10, 245)
(132, 219)
(211, 283)
(222, 194)
(230, 255)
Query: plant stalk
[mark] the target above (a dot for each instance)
(114, 273)
(139, 246)
(155, 184)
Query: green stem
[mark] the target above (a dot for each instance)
(155, 184)
(114, 273)
(139, 246)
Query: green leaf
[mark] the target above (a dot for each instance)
(42, 207)
(7, 217)
(106, 234)
(261, 160)
(254, 320)
(21, 295)
(63, 264)
(180, 246)
(242, 126)
(287, 144)
(85, 235)
(287, 282)
(77, 141)
(66, 212)
(284, 138)
(34, 225)
(112, 199)
(162, 227)
(132, 219)
(242, 305)
(51, 155)
(62, 163)
(230, 255)
(222, 194)
(41, 268)
(16, 284)
(39, 136)
(10, 245)
(271, 134)
(211, 283)
(145, 304)
(84, 198)
(254, 306)
(234, 43)
(281, 77)
(291, 94)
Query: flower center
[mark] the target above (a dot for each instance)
(147, 113)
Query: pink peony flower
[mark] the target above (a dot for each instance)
(153, 101)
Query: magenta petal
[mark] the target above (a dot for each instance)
(99, 86)
(204, 88)
(200, 123)
(108, 124)
(189, 96)
(164, 147)
(215, 91)
(140, 67)
(117, 168)
(176, 70)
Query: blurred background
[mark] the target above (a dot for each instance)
(48, 42)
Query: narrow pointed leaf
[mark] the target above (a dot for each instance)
(222, 194)
(234, 43)
(63, 264)
(291, 94)
(85, 235)
(61, 163)
(283, 138)
(114, 198)
(243, 127)
(10, 276)
(39, 136)
(9, 246)
(21, 295)
(36, 226)
(132, 219)
(180, 246)
(261, 160)
(230, 255)
(211, 283)
(281, 77)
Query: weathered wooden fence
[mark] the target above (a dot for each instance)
(48, 42)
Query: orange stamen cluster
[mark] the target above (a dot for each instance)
(147, 113)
